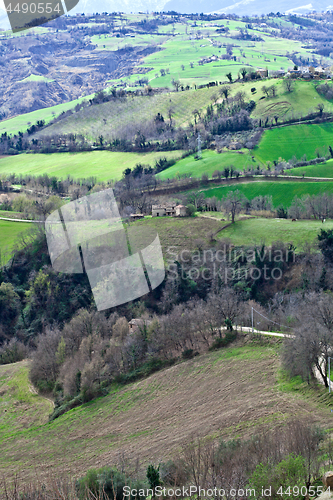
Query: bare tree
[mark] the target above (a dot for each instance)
(233, 203)
(288, 84)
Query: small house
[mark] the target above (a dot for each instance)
(181, 211)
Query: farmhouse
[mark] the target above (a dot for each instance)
(171, 210)
(262, 72)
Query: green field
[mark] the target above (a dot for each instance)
(256, 231)
(9, 232)
(104, 165)
(302, 100)
(35, 78)
(211, 161)
(282, 192)
(321, 170)
(22, 122)
(295, 140)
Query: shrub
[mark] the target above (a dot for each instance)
(218, 343)
(12, 351)
(108, 481)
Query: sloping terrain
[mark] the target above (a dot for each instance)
(231, 392)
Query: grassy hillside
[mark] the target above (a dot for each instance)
(104, 165)
(211, 161)
(231, 392)
(9, 232)
(251, 231)
(180, 233)
(303, 99)
(22, 122)
(116, 119)
(282, 192)
(320, 170)
(295, 140)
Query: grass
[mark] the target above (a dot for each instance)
(321, 170)
(104, 165)
(21, 407)
(20, 123)
(36, 78)
(9, 232)
(256, 231)
(119, 118)
(9, 214)
(211, 161)
(180, 233)
(302, 100)
(282, 192)
(295, 140)
(213, 394)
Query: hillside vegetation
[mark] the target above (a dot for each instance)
(214, 394)
(258, 231)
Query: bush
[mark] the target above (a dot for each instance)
(144, 370)
(189, 354)
(11, 352)
(108, 481)
(224, 341)
(68, 405)
(289, 473)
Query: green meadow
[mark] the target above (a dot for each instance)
(104, 165)
(302, 100)
(321, 170)
(295, 140)
(210, 161)
(256, 231)
(20, 123)
(9, 232)
(282, 192)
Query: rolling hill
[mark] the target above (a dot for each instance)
(229, 393)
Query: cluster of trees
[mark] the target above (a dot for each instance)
(312, 206)
(93, 350)
(46, 185)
